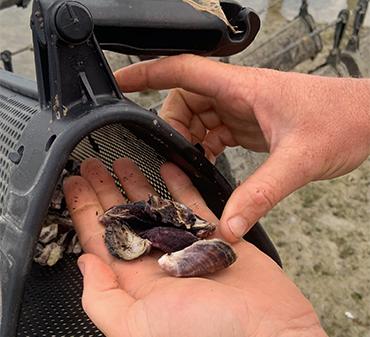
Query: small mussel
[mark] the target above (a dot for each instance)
(201, 258)
(169, 239)
(132, 214)
(143, 215)
(173, 213)
(132, 229)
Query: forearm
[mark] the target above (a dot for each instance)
(365, 111)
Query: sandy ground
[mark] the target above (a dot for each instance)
(322, 231)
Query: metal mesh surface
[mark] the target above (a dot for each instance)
(115, 141)
(52, 303)
(14, 116)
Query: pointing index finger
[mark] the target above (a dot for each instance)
(193, 73)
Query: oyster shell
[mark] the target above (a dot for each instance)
(51, 253)
(48, 255)
(48, 233)
(201, 258)
(74, 246)
(124, 243)
(57, 235)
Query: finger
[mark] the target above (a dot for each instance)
(193, 112)
(132, 275)
(182, 111)
(217, 139)
(251, 265)
(279, 176)
(102, 182)
(185, 112)
(183, 190)
(85, 208)
(135, 184)
(104, 301)
(193, 73)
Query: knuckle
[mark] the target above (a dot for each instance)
(179, 71)
(186, 58)
(195, 206)
(263, 197)
(259, 86)
(84, 209)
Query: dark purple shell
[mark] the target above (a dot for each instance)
(169, 239)
(132, 214)
(131, 229)
(172, 213)
(157, 212)
(169, 212)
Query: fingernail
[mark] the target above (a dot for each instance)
(237, 225)
(81, 266)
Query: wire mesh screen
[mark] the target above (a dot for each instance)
(14, 116)
(52, 303)
(115, 141)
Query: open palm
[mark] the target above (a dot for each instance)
(253, 297)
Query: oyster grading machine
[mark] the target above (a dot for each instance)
(77, 111)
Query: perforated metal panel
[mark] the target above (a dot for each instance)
(115, 141)
(52, 303)
(14, 116)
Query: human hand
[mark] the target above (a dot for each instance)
(314, 127)
(253, 297)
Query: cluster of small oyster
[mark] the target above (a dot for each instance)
(57, 234)
(133, 229)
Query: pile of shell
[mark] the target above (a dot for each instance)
(57, 234)
(133, 229)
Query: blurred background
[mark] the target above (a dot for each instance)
(322, 231)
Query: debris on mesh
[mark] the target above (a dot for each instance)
(57, 236)
(213, 7)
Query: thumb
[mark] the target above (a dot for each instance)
(279, 176)
(103, 300)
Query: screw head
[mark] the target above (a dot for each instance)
(74, 22)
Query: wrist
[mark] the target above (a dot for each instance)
(353, 115)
